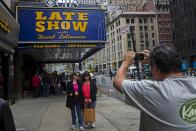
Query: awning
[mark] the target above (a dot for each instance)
(60, 55)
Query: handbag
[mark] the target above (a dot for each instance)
(88, 114)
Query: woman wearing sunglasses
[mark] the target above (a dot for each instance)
(89, 91)
(74, 101)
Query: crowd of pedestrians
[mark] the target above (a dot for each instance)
(46, 84)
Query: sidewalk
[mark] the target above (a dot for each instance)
(50, 114)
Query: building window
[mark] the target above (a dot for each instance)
(141, 36)
(142, 46)
(129, 44)
(118, 46)
(147, 45)
(146, 35)
(141, 28)
(159, 16)
(132, 28)
(140, 20)
(160, 29)
(116, 24)
(129, 35)
(152, 35)
(127, 21)
(151, 20)
(145, 20)
(145, 28)
(153, 43)
(119, 55)
(152, 28)
(132, 21)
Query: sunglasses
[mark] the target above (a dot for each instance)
(87, 75)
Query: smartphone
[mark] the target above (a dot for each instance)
(139, 56)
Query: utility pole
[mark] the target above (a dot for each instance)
(73, 67)
(134, 49)
(80, 66)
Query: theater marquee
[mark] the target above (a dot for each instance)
(62, 25)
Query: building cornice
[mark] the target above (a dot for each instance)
(125, 14)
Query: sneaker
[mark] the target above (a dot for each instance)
(73, 127)
(93, 125)
(86, 125)
(81, 128)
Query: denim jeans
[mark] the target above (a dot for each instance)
(77, 110)
(45, 90)
(36, 92)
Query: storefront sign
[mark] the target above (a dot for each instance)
(61, 25)
(4, 26)
(9, 29)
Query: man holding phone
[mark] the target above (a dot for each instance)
(168, 102)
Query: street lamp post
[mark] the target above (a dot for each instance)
(134, 49)
(73, 67)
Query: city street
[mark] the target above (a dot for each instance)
(50, 114)
(52, 47)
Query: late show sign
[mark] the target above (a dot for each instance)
(61, 25)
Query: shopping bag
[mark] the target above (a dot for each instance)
(89, 115)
